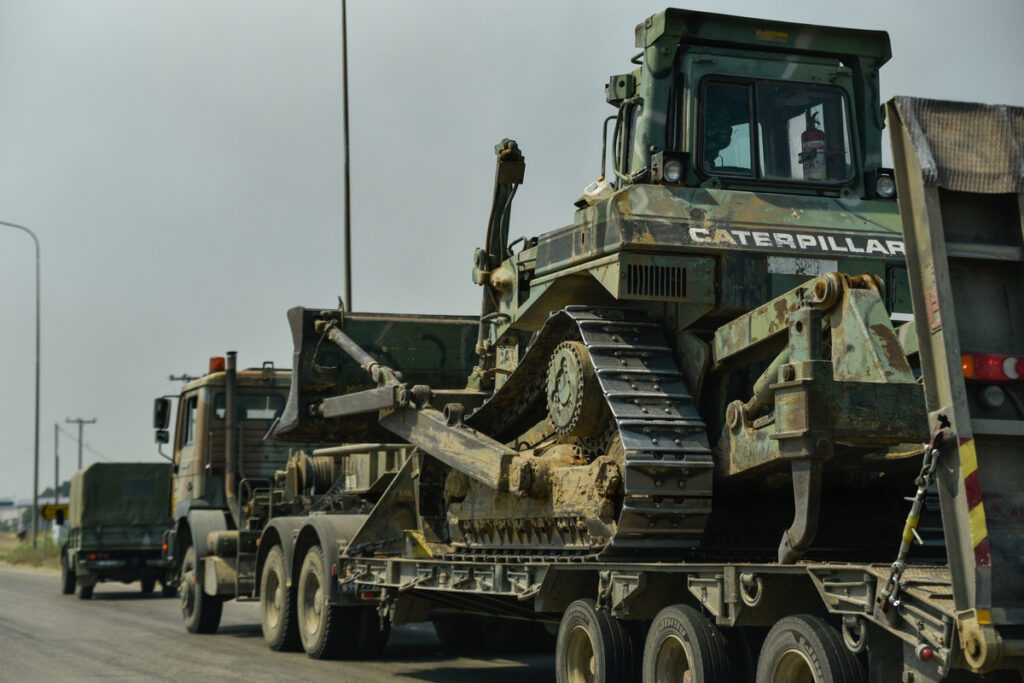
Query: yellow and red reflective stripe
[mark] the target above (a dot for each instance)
(975, 510)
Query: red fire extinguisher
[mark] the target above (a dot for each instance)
(812, 149)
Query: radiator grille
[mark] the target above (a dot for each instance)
(644, 281)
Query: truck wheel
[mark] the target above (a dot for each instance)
(67, 577)
(333, 631)
(683, 641)
(805, 648)
(592, 646)
(319, 621)
(84, 592)
(277, 604)
(148, 585)
(201, 611)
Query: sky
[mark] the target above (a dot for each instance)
(181, 163)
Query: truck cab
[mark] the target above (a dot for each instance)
(200, 435)
(220, 462)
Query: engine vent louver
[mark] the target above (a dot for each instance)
(647, 281)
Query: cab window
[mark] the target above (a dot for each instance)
(188, 427)
(250, 406)
(776, 130)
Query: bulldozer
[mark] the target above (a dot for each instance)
(712, 360)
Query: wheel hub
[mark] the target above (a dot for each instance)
(672, 664)
(582, 665)
(794, 667)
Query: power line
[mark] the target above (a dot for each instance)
(81, 423)
(86, 446)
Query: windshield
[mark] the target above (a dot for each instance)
(800, 131)
(251, 406)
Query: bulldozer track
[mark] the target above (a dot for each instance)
(668, 468)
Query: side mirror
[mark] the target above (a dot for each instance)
(161, 414)
(163, 436)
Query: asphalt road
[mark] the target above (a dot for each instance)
(123, 635)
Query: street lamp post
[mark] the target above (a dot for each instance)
(35, 475)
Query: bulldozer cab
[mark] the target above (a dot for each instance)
(751, 104)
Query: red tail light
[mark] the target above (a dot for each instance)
(992, 367)
(92, 556)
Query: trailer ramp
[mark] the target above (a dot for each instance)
(960, 180)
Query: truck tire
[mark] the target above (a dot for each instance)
(67, 577)
(805, 647)
(84, 592)
(333, 631)
(319, 621)
(201, 611)
(681, 640)
(593, 646)
(148, 585)
(277, 604)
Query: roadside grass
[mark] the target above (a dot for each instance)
(14, 552)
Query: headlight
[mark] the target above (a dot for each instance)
(673, 172)
(885, 186)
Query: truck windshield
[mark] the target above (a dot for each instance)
(251, 406)
(800, 131)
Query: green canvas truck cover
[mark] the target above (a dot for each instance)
(121, 494)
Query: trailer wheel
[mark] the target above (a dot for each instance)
(67, 577)
(148, 585)
(681, 642)
(805, 649)
(592, 647)
(277, 604)
(201, 611)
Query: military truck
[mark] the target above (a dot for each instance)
(248, 513)
(709, 417)
(117, 515)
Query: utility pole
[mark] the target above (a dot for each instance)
(35, 450)
(80, 422)
(348, 212)
(56, 466)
